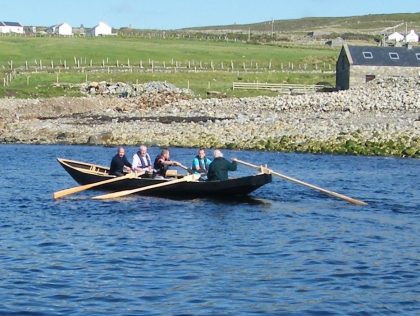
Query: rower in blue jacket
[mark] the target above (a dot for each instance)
(201, 163)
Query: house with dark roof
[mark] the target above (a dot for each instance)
(357, 65)
(11, 27)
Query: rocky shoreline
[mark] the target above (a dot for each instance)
(381, 118)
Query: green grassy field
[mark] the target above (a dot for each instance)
(112, 50)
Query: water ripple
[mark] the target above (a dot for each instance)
(286, 251)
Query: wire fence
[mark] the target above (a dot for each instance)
(85, 65)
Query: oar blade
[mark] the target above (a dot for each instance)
(308, 185)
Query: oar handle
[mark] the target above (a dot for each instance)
(114, 195)
(184, 167)
(332, 193)
(246, 163)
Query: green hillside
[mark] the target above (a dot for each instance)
(374, 23)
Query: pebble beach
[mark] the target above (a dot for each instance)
(380, 118)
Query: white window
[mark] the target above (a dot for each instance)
(418, 56)
(394, 56)
(368, 55)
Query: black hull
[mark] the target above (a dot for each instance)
(85, 173)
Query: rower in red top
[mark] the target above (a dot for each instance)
(163, 162)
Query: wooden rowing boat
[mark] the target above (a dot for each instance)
(86, 173)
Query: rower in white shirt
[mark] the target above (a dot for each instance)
(141, 161)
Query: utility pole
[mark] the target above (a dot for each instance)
(272, 27)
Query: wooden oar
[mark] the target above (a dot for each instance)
(335, 194)
(65, 192)
(192, 177)
(190, 171)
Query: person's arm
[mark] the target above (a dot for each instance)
(170, 163)
(127, 163)
(112, 166)
(232, 166)
(136, 162)
(210, 173)
(195, 165)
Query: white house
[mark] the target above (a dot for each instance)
(412, 37)
(61, 29)
(396, 37)
(100, 30)
(11, 27)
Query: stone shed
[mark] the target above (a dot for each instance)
(357, 65)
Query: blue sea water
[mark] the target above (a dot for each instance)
(287, 251)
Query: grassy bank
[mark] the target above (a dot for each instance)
(27, 54)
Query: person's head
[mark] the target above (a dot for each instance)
(217, 153)
(121, 151)
(165, 153)
(143, 150)
(201, 153)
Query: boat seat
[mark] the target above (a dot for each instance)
(171, 174)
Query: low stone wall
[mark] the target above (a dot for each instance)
(380, 118)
